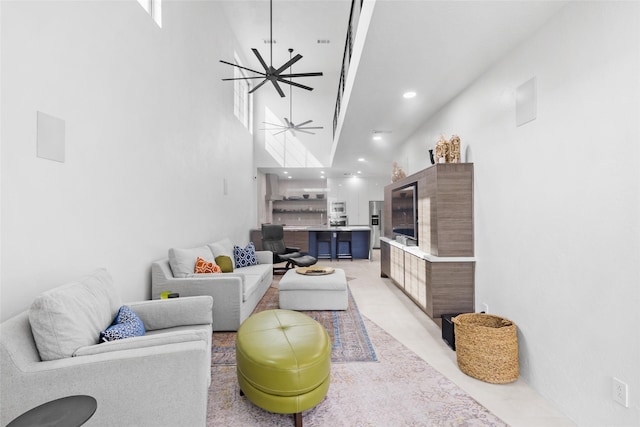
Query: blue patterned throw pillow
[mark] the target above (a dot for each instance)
(245, 257)
(126, 324)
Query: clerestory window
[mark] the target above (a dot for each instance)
(154, 9)
(242, 99)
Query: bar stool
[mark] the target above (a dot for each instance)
(344, 239)
(323, 237)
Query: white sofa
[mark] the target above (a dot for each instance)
(51, 351)
(235, 294)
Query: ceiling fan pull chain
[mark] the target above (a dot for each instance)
(290, 88)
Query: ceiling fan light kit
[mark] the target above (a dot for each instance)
(271, 74)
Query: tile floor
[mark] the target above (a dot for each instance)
(380, 301)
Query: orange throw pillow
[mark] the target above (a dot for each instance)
(203, 267)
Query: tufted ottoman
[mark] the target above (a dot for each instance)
(284, 361)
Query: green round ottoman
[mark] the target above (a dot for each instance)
(283, 361)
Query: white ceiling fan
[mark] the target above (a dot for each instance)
(291, 126)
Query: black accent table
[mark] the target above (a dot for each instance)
(71, 411)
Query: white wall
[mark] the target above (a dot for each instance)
(357, 192)
(150, 139)
(557, 210)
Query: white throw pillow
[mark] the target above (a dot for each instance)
(183, 261)
(223, 247)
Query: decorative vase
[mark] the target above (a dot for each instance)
(454, 149)
(442, 150)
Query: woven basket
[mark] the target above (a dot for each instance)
(487, 347)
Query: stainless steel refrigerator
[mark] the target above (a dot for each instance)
(375, 221)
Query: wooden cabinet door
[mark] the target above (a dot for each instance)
(385, 259)
(411, 274)
(255, 236)
(397, 266)
(415, 283)
(421, 287)
(297, 239)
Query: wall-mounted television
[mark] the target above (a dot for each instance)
(404, 211)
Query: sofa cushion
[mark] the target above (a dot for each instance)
(183, 261)
(160, 337)
(245, 257)
(71, 316)
(253, 276)
(127, 324)
(225, 263)
(223, 247)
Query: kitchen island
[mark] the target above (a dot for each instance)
(304, 237)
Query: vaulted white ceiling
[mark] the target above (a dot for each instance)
(435, 48)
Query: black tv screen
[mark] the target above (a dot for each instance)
(404, 211)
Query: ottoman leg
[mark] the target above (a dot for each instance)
(297, 418)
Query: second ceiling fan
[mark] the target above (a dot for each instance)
(271, 74)
(291, 126)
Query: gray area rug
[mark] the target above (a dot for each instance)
(349, 339)
(399, 390)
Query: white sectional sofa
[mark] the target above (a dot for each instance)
(235, 294)
(51, 351)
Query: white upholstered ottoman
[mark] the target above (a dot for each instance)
(311, 292)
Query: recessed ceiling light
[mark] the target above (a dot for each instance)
(289, 177)
(409, 95)
(361, 159)
(377, 137)
(285, 172)
(359, 171)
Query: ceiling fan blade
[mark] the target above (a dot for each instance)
(300, 75)
(305, 131)
(303, 123)
(264, 65)
(289, 63)
(282, 131)
(289, 124)
(273, 124)
(294, 84)
(240, 66)
(258, 86)
(312, 127)
(244, 78)
(277, 86)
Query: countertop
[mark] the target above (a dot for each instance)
(415, 250)
(324, 228)
(328, 228)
